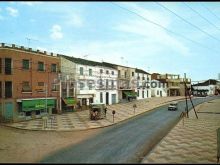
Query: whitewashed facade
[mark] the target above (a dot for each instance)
(95, 83)
(158, 89)
(143, 87)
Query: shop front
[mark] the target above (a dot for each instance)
(129, 95)
(36, 108)
(84, 100)
(69, 104)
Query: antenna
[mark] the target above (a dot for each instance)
(30, 39)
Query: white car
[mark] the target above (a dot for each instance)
(173, 106)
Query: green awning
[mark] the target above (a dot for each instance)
(130, 94)
(69, 101)
(31, 105)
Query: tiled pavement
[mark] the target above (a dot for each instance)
(191, 141)
(80, 120)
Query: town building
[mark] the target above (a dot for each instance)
(175, 84)
(143, 88)
(158, 89)
(28, 86)
(126, 82)
(95, 82)
(205, 88)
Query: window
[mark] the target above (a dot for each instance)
(81, 70)
(26, 86)
(138, 93)
(81, 86)
(90, 72)
(53, 67)
(8, 65)
(101, 83)
(107, 72)
(90, 86)
(0, 89)
(40, 66)
(157, 92)
(25, 64)
(125, 74)
(8, 89)
(101, 71)
(112, 84)
(143, 78)
(0, 65)
(101, 97)
(106, 84)
(132, 73)
(138, 77)
(142, 94)
(54, 87)
(113, 73)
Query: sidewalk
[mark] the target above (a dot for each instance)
(80, 120)
(193, 142)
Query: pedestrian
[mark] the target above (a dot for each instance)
(105, 111)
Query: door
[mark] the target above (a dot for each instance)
(107, 98)
(113, 98)
(8, 115)
(160, 93)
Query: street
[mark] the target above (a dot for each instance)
(126, 142)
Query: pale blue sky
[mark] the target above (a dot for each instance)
(104, 31)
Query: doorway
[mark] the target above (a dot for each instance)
(107, 98)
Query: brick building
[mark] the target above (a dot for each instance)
(28, 83)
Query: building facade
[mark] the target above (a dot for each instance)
(206, 88)
(158, 89)
(126, 82)
(28, 88)
(143, 88)
(96, 82)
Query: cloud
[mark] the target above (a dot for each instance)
(74, 20)
(13, 12)
(56, 33)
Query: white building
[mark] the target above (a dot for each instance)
(158, 89)
(95, 82)
(143, 87)
(209, 87)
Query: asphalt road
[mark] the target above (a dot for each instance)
(125, 142)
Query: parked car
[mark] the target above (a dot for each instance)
(173, 106)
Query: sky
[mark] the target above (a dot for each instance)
(161, 37)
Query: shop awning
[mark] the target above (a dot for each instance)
(69, 101)
(37, 104)
(130, 94)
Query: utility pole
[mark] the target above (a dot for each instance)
(187, 110)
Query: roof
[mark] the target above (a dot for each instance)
(207, 82)
(86, 62)
(141, 71)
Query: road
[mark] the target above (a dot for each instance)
(125, 142)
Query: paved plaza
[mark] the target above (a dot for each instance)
(80, 120)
